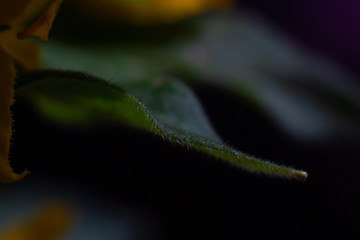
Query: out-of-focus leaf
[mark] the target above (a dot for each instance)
(307, 95)
(164, 107)
(241, 53)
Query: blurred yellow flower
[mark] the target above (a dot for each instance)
(145, 11)
(48, 224)
(15, 17)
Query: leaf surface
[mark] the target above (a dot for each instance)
(164, 107)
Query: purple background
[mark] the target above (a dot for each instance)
(331, 27)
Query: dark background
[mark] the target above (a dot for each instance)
(191, 196)
(330, 27)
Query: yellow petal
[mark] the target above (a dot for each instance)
(10, 10)
(27, 54)
(145, 11)
(175, 9)
(7, 75)
(49, 224)
(19, 13)
(13, 14)
(41, 27)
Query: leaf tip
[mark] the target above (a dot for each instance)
(304, 174)
(301, 175)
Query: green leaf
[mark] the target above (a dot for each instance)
(164, 107)
(242, 53)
